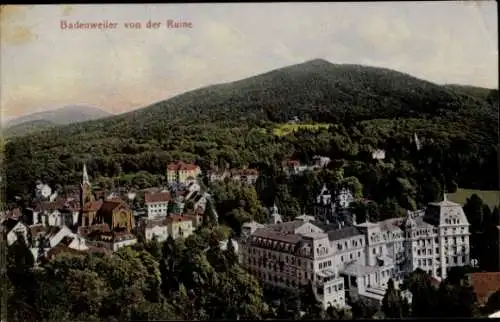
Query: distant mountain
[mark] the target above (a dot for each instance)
(28, 127)
(488, 94)
(62, 116)
(42, 120)
(316, 90)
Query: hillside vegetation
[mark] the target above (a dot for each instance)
(223, 124)
(287, 128)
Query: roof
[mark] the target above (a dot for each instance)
(177, 217)
(357, 269)
(150, 223)
(163, 196)
(276, 235)
(36, 230)
(61, 248)
(291, 162)
(84, 231)
(288, 226)
(10, 223)
(484, 285)
(93, 205)
(494, 315)
(346, 232)
(14, 213)
(181, 166)
(110, 205)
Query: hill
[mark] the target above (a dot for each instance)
(487, 94)
(28, 127)
(223, 123)
(61, 116)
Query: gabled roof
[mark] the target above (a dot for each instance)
(181, 166)
(10, 223)
(484, 285)
(162, 196)
(110, 205)
(93, 206)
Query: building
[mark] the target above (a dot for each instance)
(180, 226)
(157, 203)
(333, 208)
(378, 154)
(114, 212)
(111, 240)
(14, 229)
(360, 258)
(321, 161)
(148, 228)
(180, 172)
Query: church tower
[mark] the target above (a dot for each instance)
(86, 195)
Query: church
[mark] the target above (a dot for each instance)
(115, 213)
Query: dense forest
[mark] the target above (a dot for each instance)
(232, 124)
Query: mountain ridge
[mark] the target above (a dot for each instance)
(63, 115)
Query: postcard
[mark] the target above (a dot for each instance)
(212, 161)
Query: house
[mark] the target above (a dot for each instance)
(149, 228)
(180, 172)
(246, 176)
(180, 226)
(52, 236)
(112, 241)
(62, 211)
(321, 161)
(87, 230)
(291, 166)
(484, 285)
(378, 154)
(114, 212)
(357, 261)
(15, 229)
(157, 203)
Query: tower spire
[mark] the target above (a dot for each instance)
(85, 175)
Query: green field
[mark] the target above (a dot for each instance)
(285, 129)
(490, 197)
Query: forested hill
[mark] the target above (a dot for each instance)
(320, 91)
(232, 123)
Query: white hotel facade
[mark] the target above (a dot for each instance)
(356, 260)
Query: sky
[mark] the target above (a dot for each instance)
(43, 67)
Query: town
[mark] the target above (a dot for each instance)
(343, 258)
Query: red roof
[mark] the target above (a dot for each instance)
(93, 206)
(13, 214)
(36, 230)
(84, 231)
(163, 196)
(485, 284)
(181, 166)
(179, 218)
(292, 162)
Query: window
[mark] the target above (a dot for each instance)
(350, 256)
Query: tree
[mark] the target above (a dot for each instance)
(209, 216)
(392, 305)
(230, 254)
